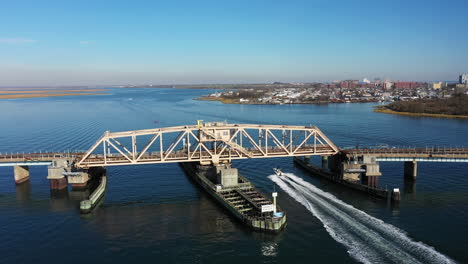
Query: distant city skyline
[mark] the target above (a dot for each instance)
(204, 42)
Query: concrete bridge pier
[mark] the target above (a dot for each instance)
(55, 174)
(371, 181)
(56, 179)
(372, 174)
(21, 174)
(411, 170)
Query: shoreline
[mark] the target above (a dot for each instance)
(236, 101)
(389, 111)
(222, 100)
(41, 95)
(50, 91)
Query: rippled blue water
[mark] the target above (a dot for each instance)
(154, 213)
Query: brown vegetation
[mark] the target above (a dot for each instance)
(456, 105)
(48, 91)
(35, 95)
(220, 99)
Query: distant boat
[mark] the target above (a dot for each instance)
(278, 171)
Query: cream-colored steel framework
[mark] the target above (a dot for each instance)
(207, 143)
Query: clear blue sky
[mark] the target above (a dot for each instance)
(127, 42)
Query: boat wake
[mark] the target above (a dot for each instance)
(367, 239)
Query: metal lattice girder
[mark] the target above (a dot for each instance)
(206, 143)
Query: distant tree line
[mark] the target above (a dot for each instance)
(455, 105)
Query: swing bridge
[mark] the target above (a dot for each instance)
(207, 143)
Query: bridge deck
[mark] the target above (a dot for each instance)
(183, 156)
(423, 153)
(95, 160)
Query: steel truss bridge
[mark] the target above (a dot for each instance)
(207, 143)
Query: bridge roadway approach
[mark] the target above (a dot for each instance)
(354, 164)
(428, 154)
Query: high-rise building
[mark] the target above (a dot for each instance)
(464, 78)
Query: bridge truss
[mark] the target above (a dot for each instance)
(207, 143)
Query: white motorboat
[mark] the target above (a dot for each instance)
(278, 171)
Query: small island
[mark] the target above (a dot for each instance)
(455, 106)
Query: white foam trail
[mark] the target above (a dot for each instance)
(396, 234)
(368, 239)
(354, 246)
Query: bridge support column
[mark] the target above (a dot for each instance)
(56, 179)
(371, 181)
(58, 184)
(21, 174)
(411, 170)
(372, 174)
(55, 174)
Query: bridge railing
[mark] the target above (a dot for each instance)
(38, 156)
(442, 150)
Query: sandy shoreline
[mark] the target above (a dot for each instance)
(49, 91)
(222, 100)
(37, 95)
